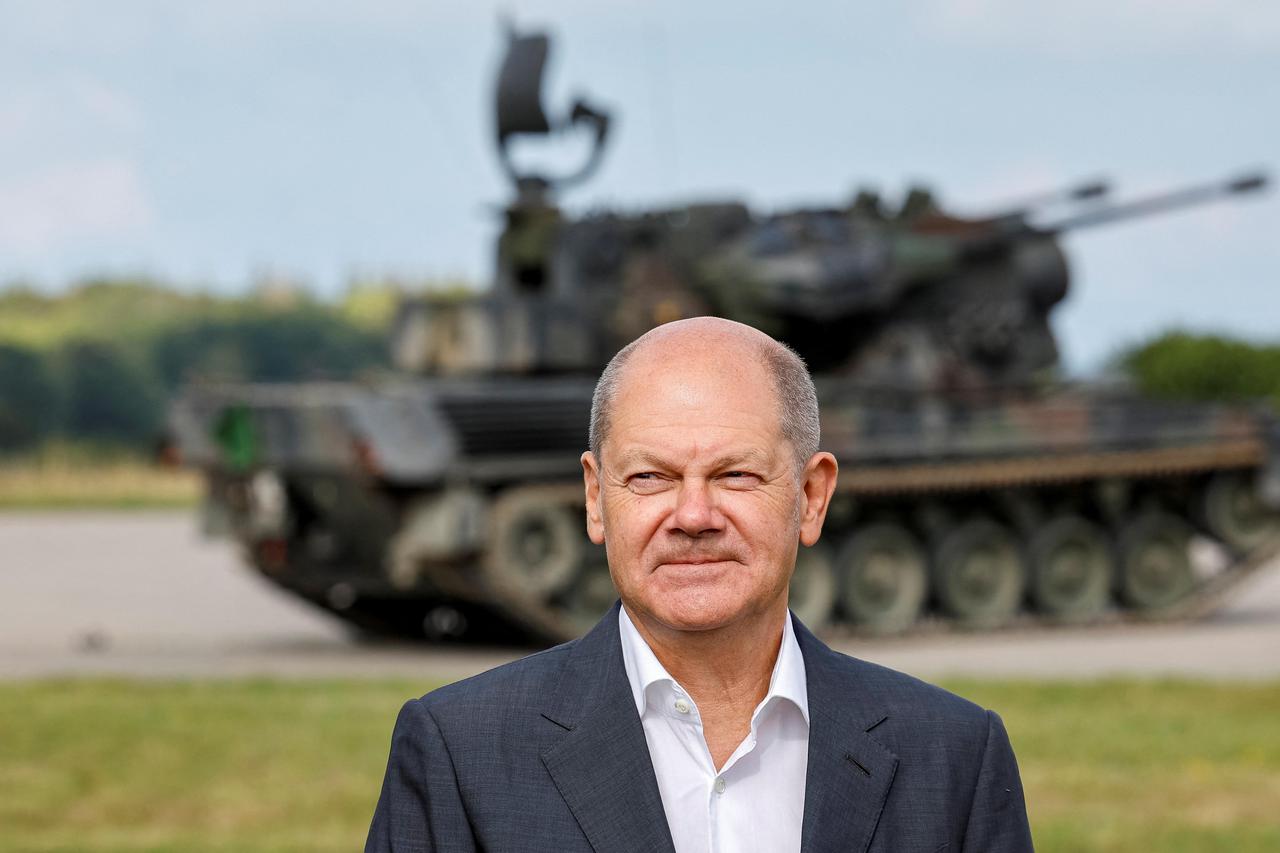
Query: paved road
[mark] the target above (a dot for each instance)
(143, 594)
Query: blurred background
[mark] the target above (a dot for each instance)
(246, 192)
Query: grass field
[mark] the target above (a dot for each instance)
(69, 480)
(267, 765)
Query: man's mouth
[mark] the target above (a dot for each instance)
(694, 561)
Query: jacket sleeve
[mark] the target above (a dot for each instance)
(420, 808)
(998, 817)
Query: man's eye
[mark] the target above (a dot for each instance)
(646, 482)
(741, 479)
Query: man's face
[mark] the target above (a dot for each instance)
(697, 497)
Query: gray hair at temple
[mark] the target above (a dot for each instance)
(797, 399)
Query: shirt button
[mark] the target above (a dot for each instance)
(719, 786)
(682, 706)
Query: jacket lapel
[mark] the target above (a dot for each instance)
(849, 772)
(601, 766)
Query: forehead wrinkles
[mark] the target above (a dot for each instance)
(676, 449)
(697, 453)
(694, 421)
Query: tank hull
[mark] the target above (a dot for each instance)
(442, 508)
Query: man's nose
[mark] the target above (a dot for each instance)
(696, 510)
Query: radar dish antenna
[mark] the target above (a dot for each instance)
(520, 112)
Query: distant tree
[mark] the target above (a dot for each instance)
(1204, 367)
(276, 346)
(99, 361)
(28, 399)
(107, 397)
(371, 306)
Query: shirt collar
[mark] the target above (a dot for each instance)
(644, 669)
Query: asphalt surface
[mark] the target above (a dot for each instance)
(143, 594)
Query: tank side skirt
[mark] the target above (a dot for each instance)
(1038, 470)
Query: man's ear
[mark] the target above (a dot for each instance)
(818, 483)
(591, 486)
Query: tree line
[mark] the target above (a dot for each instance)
(1186, 366)
(97, 364)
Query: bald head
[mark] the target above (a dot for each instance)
(718, 342)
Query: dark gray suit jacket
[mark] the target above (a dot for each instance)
(548, 754)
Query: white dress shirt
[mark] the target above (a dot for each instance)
(756, 801)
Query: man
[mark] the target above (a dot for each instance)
(698, 716)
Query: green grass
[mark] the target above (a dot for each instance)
(202, 766)
(1145, 765)
(69, 477)
(269, 765)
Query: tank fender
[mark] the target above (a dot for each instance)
(441, 527)
(409, 439)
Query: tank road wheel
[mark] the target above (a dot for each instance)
(1155, 561)
(1072, 563)
(591, 593)
(813, 587)
(884, 578)
(979, 573)
(535, 546)
(1235, 513)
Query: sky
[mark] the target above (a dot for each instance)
(217, 144)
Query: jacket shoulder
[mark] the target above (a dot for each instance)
(905, 693)
(878, 691)
(902, 708)
(511, 685)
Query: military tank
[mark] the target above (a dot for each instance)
(975, 490)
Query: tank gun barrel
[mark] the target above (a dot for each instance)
(1026, 205)
(1160, 203)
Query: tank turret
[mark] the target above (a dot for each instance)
(928, 300)
(916, 298)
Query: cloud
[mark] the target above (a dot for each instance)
(56, 111)
(69, 202)
(67, 168)
(103, 104)
(1153, 26)
(75, 28)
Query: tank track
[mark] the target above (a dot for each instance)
(1097, 538)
